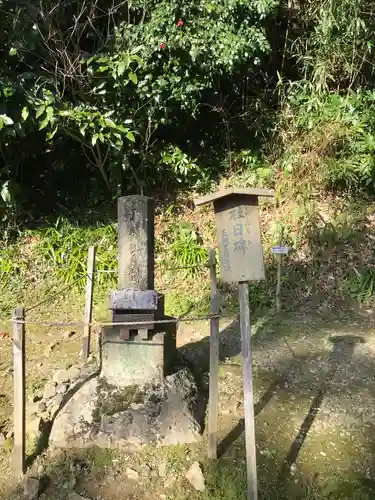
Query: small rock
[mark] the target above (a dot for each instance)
(58, 399)
(38, 408)
(55, 407)
(195, 477)
(132, 474)
(41, 405)
(163, 469)
(74, 372)
(49, 390)
(62, 388)
(68, 334)
(31, 488)
(61, 377)
(145, 471)
(169, 482)
(135, 406)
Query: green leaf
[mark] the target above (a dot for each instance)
(130, 136)
(137, 59)
(6, 120)
(40, 111)
(83, 130)
(121, 68)
(122, 129)
(49, 112)
(44, 123)
(25, 113)
(5, 193)
(133, 78)
(13, 51)
(8, 91)
(94, 139)
(51, 134)
(110, 123)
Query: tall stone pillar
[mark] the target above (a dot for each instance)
(136, 242)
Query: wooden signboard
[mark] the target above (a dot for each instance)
(241, 260)
(238, 230)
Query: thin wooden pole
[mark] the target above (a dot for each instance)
(214, 361)
(19, 391)
(88, 302)
(279, 259)
(251, 467)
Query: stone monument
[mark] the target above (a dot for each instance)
(141, 353)
(138, 395)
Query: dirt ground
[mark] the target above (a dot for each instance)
(314, 380)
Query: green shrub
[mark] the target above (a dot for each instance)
(361, 284)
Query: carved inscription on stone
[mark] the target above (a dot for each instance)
(240, 249)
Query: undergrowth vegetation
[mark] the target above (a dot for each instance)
(283, 98)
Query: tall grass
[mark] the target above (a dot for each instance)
(64, 246)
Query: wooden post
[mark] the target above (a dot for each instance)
(214, 361)
(279, 259)
(19, 391)
(243, 292)
(88, 302)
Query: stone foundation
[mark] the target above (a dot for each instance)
(101, 414)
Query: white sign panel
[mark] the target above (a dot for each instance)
(280, 250)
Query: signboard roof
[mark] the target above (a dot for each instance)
(233, 191)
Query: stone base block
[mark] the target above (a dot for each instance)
(137, 361)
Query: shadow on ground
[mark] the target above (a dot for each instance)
(310, 363)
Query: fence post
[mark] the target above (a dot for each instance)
(214, 360)
(90, 278)
(19, 391)
(279, 259)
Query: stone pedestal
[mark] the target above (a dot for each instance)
(136, 361)
(137, 353)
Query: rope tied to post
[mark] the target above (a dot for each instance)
(187, 319)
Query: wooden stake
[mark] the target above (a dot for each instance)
(243, 293)
(88, 302)
(19, 391)
(279, 259)
(214, 361)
